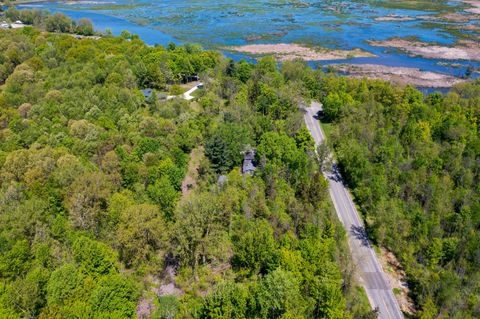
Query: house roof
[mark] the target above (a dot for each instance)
(147, 92)
(248, 166)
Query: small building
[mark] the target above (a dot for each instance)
(147, 93)
(248, 166)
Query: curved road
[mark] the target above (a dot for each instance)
(370, 272)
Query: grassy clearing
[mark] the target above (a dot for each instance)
(362, 296)
(397, 291)
(327, 129)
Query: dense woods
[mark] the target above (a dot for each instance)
(94, 222)
(413, 163)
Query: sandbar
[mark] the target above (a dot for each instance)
(464, 50)
(292, 51)
(394, 17)
(399, 75)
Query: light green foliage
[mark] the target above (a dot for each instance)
(84, 27)
(168, 307)
(94, 258)
(114, 297)
(229, 300)
(410, 161)
(62, 285)
(58, 23)
(254, 246)
(93, 213)
(141, 232)
(278, 296)
(15, 261)
(199, 230)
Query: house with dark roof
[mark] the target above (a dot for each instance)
(147, 93)
(248, 166)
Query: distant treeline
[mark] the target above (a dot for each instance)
(57, 22)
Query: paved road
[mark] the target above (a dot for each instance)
(370, 272)
(187, 95)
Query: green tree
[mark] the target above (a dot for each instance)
(84, 27)
(225, 146)
(199, 231)
(141, 232)
(229, 300)
(15, 261)
(93, 257)
(87, 200)
(277, 295)
(254, 247)
(62, 285)
(114, 296)
(58, 23)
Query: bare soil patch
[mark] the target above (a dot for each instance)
(190, 180)
(291, 51)
(399, 75)
(395, 17)
(396, 276)
(450, 17)
(464, 50)
(475, 6)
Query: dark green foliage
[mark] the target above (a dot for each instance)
(225, 146)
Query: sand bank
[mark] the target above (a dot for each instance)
(465, 50)
(450, 17)
(394, 17)
(446, 17)
(286, 52)
(475, 6)
(399, 75)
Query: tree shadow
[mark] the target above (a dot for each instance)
(361, 234)
(335, 174)
(320, 116)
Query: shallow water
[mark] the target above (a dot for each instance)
(220, 23)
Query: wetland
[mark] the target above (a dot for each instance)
(419, 35)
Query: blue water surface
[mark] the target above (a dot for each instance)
(217, 24)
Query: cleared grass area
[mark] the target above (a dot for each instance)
(327, 129)
(362, 298)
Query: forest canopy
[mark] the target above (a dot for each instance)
(96, 220)
(118, 204)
